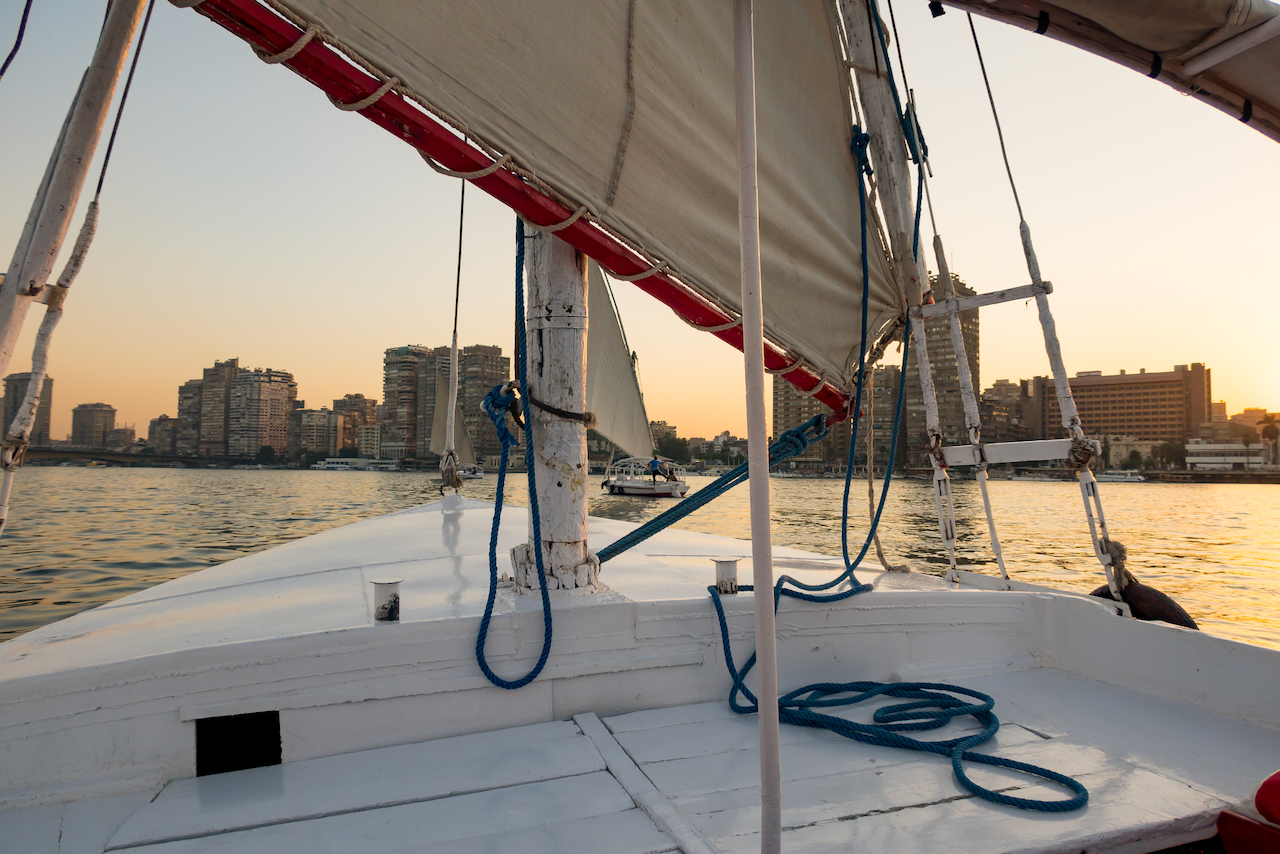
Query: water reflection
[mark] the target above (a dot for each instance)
(80, 537)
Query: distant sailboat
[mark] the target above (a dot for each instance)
(613, 391)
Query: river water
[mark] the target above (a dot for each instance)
(79, 537)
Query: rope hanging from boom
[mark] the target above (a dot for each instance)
(449, 457)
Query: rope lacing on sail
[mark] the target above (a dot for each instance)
(17, 438)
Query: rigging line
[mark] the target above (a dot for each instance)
(111, 142)
(457, 286)
(17, 44)
(995, 115)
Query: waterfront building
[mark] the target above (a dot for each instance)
(15, 391)
(791, 408)
(261, 401)
(121, 438)
(1166, 406)
(1212, 456)
(187, 428)
(356, 411)
(1219, 412)
(215, 408)
(320, 430)
(480, 368)
(369, 441)
(946, 379)
(90, 424)
(162, 435)
(659, 430)
(1250, 416)
(1002, 409)
(399, 419)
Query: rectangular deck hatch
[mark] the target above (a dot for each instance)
(237, 742)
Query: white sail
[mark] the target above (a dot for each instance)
(439, 426)
(1224, 52)
(548, 85)
(613, 393)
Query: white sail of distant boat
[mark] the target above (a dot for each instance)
(613, 391)
(439, 426)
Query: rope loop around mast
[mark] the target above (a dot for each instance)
(587, 419)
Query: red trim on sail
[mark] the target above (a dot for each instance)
(328, 70)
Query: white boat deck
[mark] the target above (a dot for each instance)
(392, 741)
(685, 778)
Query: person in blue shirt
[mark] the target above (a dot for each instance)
(654, 466)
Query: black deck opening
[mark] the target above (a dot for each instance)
(237, 742)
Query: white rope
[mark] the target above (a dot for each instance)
(288, 53)
(822, 383)
(561, 226)
(661, 266)
(719, 327)
(799, 362)
(467, 176)
(369, 100)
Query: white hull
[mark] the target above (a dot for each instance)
(647, 489)
(1165, 726)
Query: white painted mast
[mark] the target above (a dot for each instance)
(757, 431)
(556, 324)
(56, 199)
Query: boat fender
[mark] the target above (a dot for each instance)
(1145, 602)
(1267, 798)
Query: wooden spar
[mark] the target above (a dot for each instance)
(757, 435)
(56, 199)
(556, 328)
(333, 74)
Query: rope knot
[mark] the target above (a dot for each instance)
(12, 453)
(793, 442)
(1081, 453)
(496, 404)
(858, 145)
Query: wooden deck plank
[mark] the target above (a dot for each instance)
(630, 832)
(808, 753)
(422, 826)
(374, 778)
(1130, 810)
(867, 791)
(652, 718)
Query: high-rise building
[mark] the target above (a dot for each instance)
(400, 402)
(356, 411)
(946, 379)
(215, 407)
(791, 408)
(1002, 410)
(121, 438)
(480, 368)
(261, 400)
(187, 426)
(369, 441)
(162, 435)
(320, 431)
(90, 424)
(1158, 407)
(15, 391)
(882, 404)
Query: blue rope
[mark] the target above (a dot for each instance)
(789, 444)
(495, 404)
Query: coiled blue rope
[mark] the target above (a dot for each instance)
(495, 404)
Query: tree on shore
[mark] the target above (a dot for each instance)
(266, 455)
(1270, 434)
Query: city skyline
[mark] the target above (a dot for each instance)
(241, 253)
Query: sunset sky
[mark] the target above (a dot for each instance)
(245, 217)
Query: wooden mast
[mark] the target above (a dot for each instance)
(556, 326)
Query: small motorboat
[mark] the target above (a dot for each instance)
(632, 476)
(1120, 476)
(471, 471)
